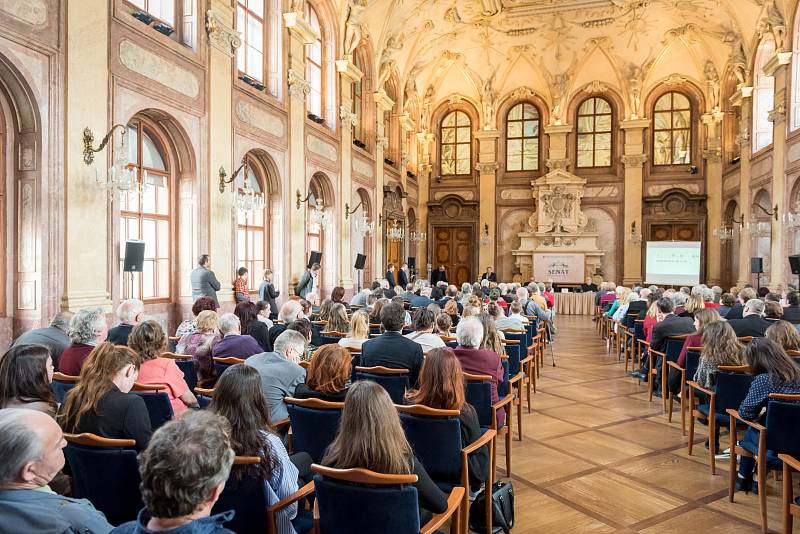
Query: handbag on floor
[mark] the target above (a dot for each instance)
(502, 509)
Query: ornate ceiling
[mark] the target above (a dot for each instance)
(484, 49)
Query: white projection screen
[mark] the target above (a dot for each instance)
(672, 263)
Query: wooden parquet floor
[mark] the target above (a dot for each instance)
(596, 456)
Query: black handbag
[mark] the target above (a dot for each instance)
(502, 509)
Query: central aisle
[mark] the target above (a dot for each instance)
(598, 457)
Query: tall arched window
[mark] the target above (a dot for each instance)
(314, 64)
(594, 133)
(250, 243)
(795, 103)
(145, 214)
(390, 120)
(163, 10)
(522, 138)
(357, 96)
(456, 144)
(250, 23)
(672, 130)
(763, 95)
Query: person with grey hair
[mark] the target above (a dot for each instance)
(679, 299)
(360, 298)
(290, 311)
(130, 312)
(183, 471)
(477, 361)
(233, 343)
(752, 322)
(31, 446)
(54, 337)
(86, 330)
(280, 371)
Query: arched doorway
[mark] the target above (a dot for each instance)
(320, 238)
(730, 247)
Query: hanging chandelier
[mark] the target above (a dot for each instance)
(723, 234)
(395, 232)
(363, 225)
(120, 177)
(320, 217)
(417, 237)
(248, 200)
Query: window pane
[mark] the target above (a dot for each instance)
(663, 120)
(132, 138)
(148, 279)
(664, 102)
(255, 64)
(585, 159)
(463, 135)
(602, 141)
(462, 166)
(163, 239)
(448, 152)
(585, 124)
(448, 135)
(256, 6)
(587, 108)
(585, 142)
(448, 166)
(163, 279)
(680, 119)
(602, 158)
(149, 200)
(255, 33)
(149, 235)
(515, 113)
(602, 123)
(462, 119)
(151, 157)
(462, 152)
(531, 128)
(514, 161)
(679, 101)
(602, 106)
(449, 120)
(514, 129)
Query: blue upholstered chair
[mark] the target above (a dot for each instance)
(327, 337)
(185, 363)
(106, 472)
(362, 501)
(732, 385)
(638, 337)
(479, 395)
(513, 346)
(221, 364)
(778, 436)
(435, 437)
(248, 498)
(672, 350)
(314, 425)
(204, 396)
(394, 381)
(692, 361)
(61, 385)
(157, 402)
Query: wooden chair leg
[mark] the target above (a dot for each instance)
(732, 462)
(762, 468)
(664, 373)
(691, 420)
(508, 453)
(683, 411)
(533, 379)
(712, 441)
(519, 411)
(788, 498)
(669, 412)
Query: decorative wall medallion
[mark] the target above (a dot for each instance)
(321, 147)
(27, 156)
(260, 118)
(221, 36)
(33, 12)
(158, 69)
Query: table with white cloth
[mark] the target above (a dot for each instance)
(574, 303)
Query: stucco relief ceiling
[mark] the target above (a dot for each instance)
(483, 49)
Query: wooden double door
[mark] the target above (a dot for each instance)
(455, 248)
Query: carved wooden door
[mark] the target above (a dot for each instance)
(394, 254)
(675, 232)
(452, 248)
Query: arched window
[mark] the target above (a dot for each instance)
(314, 64)
(672, 130)
(763, 96)
(357, 96)
(145, 215)
(315, 233)
(250, 23)
(163, 10)
(250, 242)
(390, 120)
(594, 133)
(456, 144)
(522, 138)
(795, 103)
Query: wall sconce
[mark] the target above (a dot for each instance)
(771, 213)
(88, 140)
(723, 234)
(634, 237)
(348, 212)
(740, 222)
(223, 175)
(309, 198)
(362, 224)
(319, 216)
(485, 237)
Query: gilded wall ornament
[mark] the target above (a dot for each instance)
(298, 87)
(220, 36)
(348, 118)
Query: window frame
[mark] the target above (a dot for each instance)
(308, 61)
(178, 14)
(240, 4)
(690, 129)
(595, 132)
(762, 83)
(254, 280)
(522, 137)
(455, 144)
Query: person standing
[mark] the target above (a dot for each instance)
(204, 281)
(438, 275)
(489, 275)
(308, 286)
(390, 276)
(403, 276)
(268, 294)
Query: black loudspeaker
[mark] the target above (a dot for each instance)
(360, 261)
(794, 263)
(756, 265)
(412, 262)
(315, 257)
(134, 257)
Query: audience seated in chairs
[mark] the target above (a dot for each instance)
(206, 334)
(337, 296)
(280, 371)
(263, 313)
(200, 305)
(423, 298)
(337, 319)
(774, 372)
(492, 337)
(101, 403)
(26, 372)
(290, 311)
(130, 312)
(791, 312)
(183, 472)
(727, 301)
(303, 326)
(54, 337)
(720, 347)
(443, 324)
(391, 349)
(358, 332)
(752, 322)
(736, 311)
(453, 309)
(407, 317)
(86, 330)
(784, 334)
(773, 311)
(31, 446)
(234, 343)
(250, 325)
(375, 312)
(423, 330)
(325, 310)
(702, 319)
(239, 398)
(475, 360)
(149, 341)
(370, 436)
(694, 303)
(441, 386)
(327, 376)
(501, 321)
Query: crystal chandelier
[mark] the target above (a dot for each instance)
(723, 234)
(120, 178)
(485, 237)
(248, 200)
(319, 216)
(792, 218)
(395, 232)
(363, 225)
(417, 237)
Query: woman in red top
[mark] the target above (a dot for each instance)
(241, 293)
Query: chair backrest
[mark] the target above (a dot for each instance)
(358, 500)
(638, 329)
(783, 420)
(314, 424)
(106, 472)
(189, 372)
(204, 396)
(479, 395)
(247, 496)
(673, 347)
(745, 339)
(514, 352)
(158, 406)
(61, 385)
(731, 390)
(374, 328)
(394, 381)
(221, 364)
(330, 337)
(692, 361)
(435, 437)
(629, 319)
(504, 387)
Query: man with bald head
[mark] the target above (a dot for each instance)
(31, 446)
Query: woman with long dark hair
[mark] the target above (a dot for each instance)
(337, 295)
(26, 372)
(370, 436)
(247, 313)
(239, 398)
(101, 402)
(441, 385)
(337, 319)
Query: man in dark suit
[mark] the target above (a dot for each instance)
(204, 281)
(438, 275)
(589, 286)
(130, 313)
(752, 322)
(390, 276)
(489, 275)
(745, 294)
(268, 293)
(309, 282)
(450, 294)
(392, 349)
(54, 337)
(668, 325)
(423, 299)
(388, 291)
(403, 276)
(791, 312)
(408, 295)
